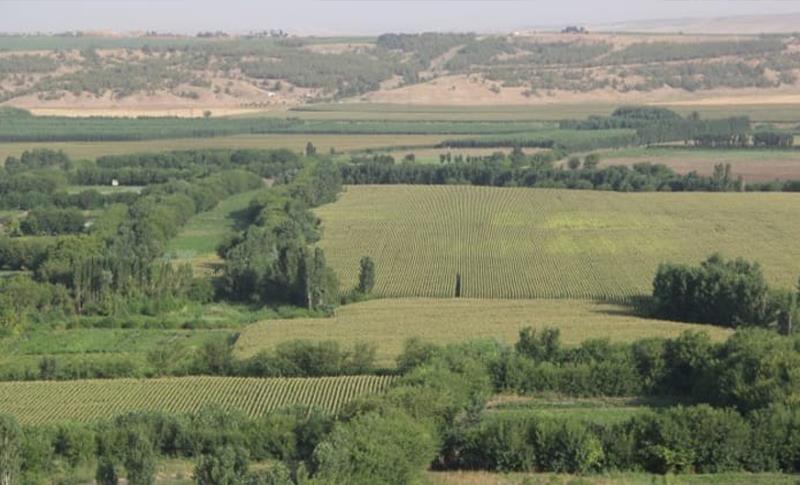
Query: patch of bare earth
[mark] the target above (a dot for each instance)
(760, 169)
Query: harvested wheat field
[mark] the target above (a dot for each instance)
(389, 323)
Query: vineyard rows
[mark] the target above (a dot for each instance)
(47, 401)
(545, 243)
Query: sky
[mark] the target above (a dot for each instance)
(357, 17)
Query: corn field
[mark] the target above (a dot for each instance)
(547, 243)
(89, 400)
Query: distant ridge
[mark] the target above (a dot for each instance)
(744, 24)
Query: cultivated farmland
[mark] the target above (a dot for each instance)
(389, 323)
(295, 142)
(541, 243)
(45, 402)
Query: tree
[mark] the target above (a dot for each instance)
(320, 282)
(106, 472)
(366, 275)
(10, 439)
(139, 457)
(225, 466)
(311, 150)
(719, 291)
(574, 163)
(591, 161)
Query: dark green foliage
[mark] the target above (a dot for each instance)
(301, 358)
(376, 449)
(106, 472)
(139, 456)
(10, 450)
(488, 171)
(223, 466)
(721, 292)
(366, 275)
(75, 443)
(693, 439)
(271, 261)
(544, 347)
(52, 222)
(277, 474)
(757, 368)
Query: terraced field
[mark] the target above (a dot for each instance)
(389, 323)
(47, 402)
(544, 243)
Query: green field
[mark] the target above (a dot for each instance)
(198, 240)
(295, 142)
(544, 243)
(48, 402)
(389, 323)
(103, 341)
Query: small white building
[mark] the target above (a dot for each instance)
(115, 183)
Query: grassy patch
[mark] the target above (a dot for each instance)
(389, 323)
(538, 243)
(198, 239)
(104, 189)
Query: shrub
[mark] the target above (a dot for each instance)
(225, 466)
(376, 449)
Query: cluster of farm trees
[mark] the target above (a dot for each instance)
(722, 292)
(114, 264)
(435, 417)
(272, 261)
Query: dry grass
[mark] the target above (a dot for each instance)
(389, 323)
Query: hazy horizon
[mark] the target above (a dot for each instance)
(354, 16)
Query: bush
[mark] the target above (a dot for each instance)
(225, 466)
(376, 449)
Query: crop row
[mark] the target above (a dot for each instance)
(44, 402)
(538, 243)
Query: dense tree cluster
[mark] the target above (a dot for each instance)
(718, 291)
(272, 261)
